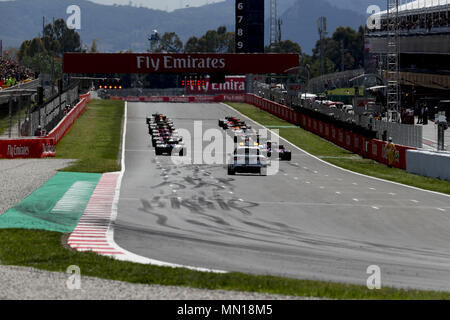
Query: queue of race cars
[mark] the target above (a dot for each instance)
(165, 137)
(250, 155)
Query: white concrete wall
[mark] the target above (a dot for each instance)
(429, 163)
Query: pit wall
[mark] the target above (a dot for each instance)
(354, 142)
(44, 146)
(429, 163)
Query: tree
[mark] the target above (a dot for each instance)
(348, 40)
(68, 39)
(215, 41)
(169, 39)
(191, 45)
(44, 54)
(286, 46)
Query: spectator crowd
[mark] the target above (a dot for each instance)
(11, 73)
(423, 21)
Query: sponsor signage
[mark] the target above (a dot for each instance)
(27, 148)
(231, 85)
(230, 63)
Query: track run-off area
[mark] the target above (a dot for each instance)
(311, 220)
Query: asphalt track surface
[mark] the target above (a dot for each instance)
(311, 220)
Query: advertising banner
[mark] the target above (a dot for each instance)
(27, 148)
(233, 84)
(230, 63)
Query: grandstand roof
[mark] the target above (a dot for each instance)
(421, 5)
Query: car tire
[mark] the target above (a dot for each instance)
(287, 156)
(231, 171)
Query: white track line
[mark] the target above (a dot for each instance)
(332, 165)
(90, 235)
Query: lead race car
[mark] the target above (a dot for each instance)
(247, 160)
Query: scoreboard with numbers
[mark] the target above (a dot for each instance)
(249, 26)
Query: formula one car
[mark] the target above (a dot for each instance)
(271, 147)
(247, 160)
(227, 120)
(170, 147)
(232, 123)
(246, 138)
(164, 136)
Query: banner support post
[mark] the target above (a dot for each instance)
(10, 117)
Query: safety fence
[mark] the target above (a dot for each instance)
(43, 146)
(357, 142)
(53, 111)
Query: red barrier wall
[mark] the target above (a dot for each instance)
(44, 146)
(64, 126)
(27, 148)
(368, 148)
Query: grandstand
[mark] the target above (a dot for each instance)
(424, 39)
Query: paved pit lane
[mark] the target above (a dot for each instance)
(311, 220)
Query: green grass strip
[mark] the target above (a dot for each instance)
(43, 250)
(340, 157)
(95, 138)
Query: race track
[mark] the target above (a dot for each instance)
(310, 221)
